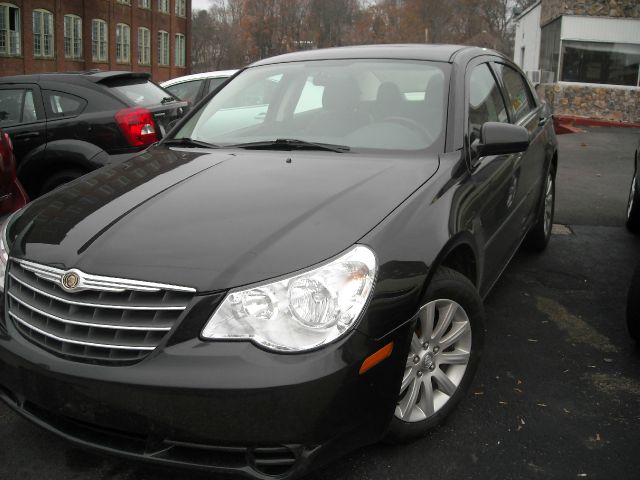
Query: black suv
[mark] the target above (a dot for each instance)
(64, 125)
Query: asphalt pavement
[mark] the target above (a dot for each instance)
(557, 393)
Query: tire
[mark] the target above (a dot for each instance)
(452, 296)
(538, 237)
(633, 206)
(633, 305)
(59, 178)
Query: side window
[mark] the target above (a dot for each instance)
(215, 83)
(58, 104)
(17, 106)
(518, 90)
(485, 101)
(186, 90)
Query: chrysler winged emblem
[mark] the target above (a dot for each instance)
(70, 280)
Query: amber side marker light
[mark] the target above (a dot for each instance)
(372, 360)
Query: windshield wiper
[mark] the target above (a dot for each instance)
(291, 144)
(189, 143)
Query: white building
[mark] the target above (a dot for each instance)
(586, 42)
(526, 51)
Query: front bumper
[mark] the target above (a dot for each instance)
(220, 406)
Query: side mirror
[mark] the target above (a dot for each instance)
(501, 138)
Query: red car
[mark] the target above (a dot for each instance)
(12, 195)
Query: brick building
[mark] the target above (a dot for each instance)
(69, 35)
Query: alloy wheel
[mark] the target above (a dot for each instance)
(632, 196)
(548, 205)
(438, 358)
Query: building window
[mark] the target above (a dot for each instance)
(99, 38)
(123, 43)
(42, 33)
(181, 8)
(163, 48)
(180, 50)
(163, 6)
(144, 46)
(144, 4)
(598, 62)
(72, 36)
(550, 47)
(9, 29)
(125, 2)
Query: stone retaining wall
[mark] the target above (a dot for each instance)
(552, 9)
(610, 103)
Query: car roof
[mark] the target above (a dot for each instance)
(73, 77)
(199, 76)
(414, 51)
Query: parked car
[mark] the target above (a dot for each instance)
(633, 205)
(64, 125)
(12, 195)
(262, 300)
(193, 88)
(633, 305)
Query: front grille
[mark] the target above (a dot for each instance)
(102, 320)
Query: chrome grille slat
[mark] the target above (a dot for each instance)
(79, 342)
(105, 320)
(93, 305)
(98, 281)
(88, 324)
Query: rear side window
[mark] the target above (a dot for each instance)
(60, 104)
(485, 101)
(187, 91)
(17, 107)
(137, 91)
(520, 95)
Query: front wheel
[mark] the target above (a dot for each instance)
(538, 237)
(633, 207)
(443, 356)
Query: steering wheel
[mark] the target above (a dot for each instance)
(411, 125)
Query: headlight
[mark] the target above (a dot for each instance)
(301, 312)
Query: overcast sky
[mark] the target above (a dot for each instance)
(199, 4)
(204, 4)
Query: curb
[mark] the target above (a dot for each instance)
(567, 124)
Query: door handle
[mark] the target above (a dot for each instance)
(27, 135)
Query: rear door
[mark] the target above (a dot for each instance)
(22, 117)
(138, 91)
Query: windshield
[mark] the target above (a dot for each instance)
(361, 104)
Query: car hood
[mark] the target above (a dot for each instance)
(215, 220)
